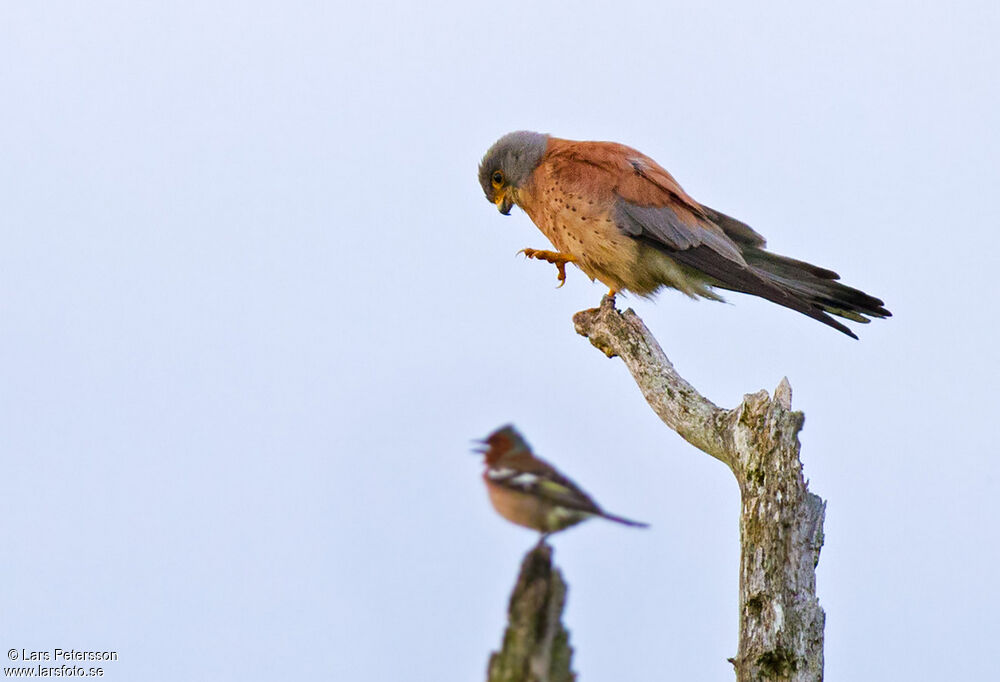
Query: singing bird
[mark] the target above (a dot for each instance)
(530, 492)
(622, 219)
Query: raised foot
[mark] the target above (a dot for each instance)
(554, 257)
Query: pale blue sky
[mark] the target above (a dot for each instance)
(253, 307)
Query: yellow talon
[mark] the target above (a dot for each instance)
(554, 257)
(561, 267)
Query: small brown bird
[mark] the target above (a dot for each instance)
(624, 220)
(530, 492)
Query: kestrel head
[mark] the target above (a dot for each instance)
(508, 165)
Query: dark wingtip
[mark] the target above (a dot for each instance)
(827, 320)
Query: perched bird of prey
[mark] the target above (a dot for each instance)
(622, 219)
(530, 492)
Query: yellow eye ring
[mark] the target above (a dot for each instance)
(497, 179)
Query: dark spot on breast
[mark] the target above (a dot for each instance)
(583, 217)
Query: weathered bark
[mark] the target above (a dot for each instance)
(781, 522)
(535, 645)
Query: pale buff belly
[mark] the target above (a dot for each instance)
(603, 252)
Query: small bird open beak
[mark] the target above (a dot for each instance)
(504, 203)
(482, 447)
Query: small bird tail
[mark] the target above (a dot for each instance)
(622, 520)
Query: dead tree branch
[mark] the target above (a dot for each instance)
(781, 522)
(535, 645)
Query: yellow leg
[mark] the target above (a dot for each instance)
(556, 258)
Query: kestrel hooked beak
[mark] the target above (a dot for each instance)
(500, 192)
(622, 219)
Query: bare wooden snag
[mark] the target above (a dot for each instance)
(781, 522)
(536, 644)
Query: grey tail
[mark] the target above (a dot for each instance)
(622, 520)
(789, 283)
(816, 286)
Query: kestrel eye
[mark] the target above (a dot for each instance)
(497, 178)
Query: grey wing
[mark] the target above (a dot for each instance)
(706, 248)
(662, 226)
(737, 230)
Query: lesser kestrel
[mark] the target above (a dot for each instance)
(622, 219)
